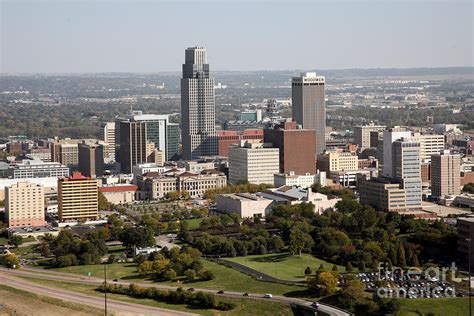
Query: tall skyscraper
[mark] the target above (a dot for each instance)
(445, 174)
(309, 105)
(133, 144)
(198, 117)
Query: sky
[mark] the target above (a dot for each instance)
(151, 36)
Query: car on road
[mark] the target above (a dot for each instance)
(268, 295)
(315, 304)
(191, 289)
(115, 280)
(220, 292)
(246, 294)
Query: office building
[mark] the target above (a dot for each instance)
(37, 169)
(120, 193)
(382, 194)
(91, 159)
(77, 198)
(172, 141)
(407, 170)
(107, 135)
(227, 138)
(198, 117)
(40, 153)
(253, 162)
(24, 205)
(297, 147)
(245, 205)
(239, 125)
(133, 144)
(445, 174)
(337, 160)
(309, 105)
(430, 144)
(385, 153)
(66, 152)
(362, 135)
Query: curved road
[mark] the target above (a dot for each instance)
(69, 277)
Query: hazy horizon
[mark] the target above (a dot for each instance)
(76, 37)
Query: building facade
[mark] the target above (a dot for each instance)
(107, 135)
(77, 198)
(297, 147)
(309, 105)
(37, 169)
(24, 205)
(362, 135)
(133, 144)
(227, 138)
(198, 117)
(245, 205)
(382, 195)
(445, 174)
(253, 162)
(337, 160)
(302, 181)
(91, 159)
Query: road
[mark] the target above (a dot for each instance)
(69, 277)
(92, 301)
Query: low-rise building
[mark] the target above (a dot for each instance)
(348, 179)
(37, 169)
(119, 194)
(337, 160)
(302, 181)
(244, 204)
(157, 185)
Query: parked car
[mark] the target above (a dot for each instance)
(220, 292)
(268, 295)
(246, 294)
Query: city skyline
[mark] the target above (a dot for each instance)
(64, 37)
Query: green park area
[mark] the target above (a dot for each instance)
(225, 278)
(284, 266)
(435, 306)
(243, 306)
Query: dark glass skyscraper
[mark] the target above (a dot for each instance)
(198, 110)
(309, 105)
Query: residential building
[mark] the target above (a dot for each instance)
(309, 105)
(362, 135)
(119, 194)
(157, 185)
(253, 162)
(24, 205)
(198, 117)
(445, 174)
(302, 181)
(91, 159)
(50, 185)
(297, 147)
(465, 239)
(37, 169)
(245, 205)
(77, 198)
(227, 138)
(107, 135)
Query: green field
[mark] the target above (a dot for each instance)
(284, 265)
(226, 279)
(243, 307)
(458, 306)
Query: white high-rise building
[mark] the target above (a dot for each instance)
(24, 204)
(198, 110)
(253, 162)
(107, 135)
(389, 137)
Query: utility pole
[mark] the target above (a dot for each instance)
(105, 287)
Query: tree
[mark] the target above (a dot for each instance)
(334, 268)
(104, 204)
(308, 271)
(262, 250)
(325, 282)
(190, 274)
(145, 268)
(10, 261)
(138, 237)
(299, 241)
(173, 195)
(169, 274)
(44, 249)
(15, 240)
(349, 267)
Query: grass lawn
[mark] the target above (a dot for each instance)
(244, 307)
(284, 265)
(456, 306)
(3, 241)
(226, 279)
(116, 249)
(23, 250)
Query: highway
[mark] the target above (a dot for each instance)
(7, 275)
